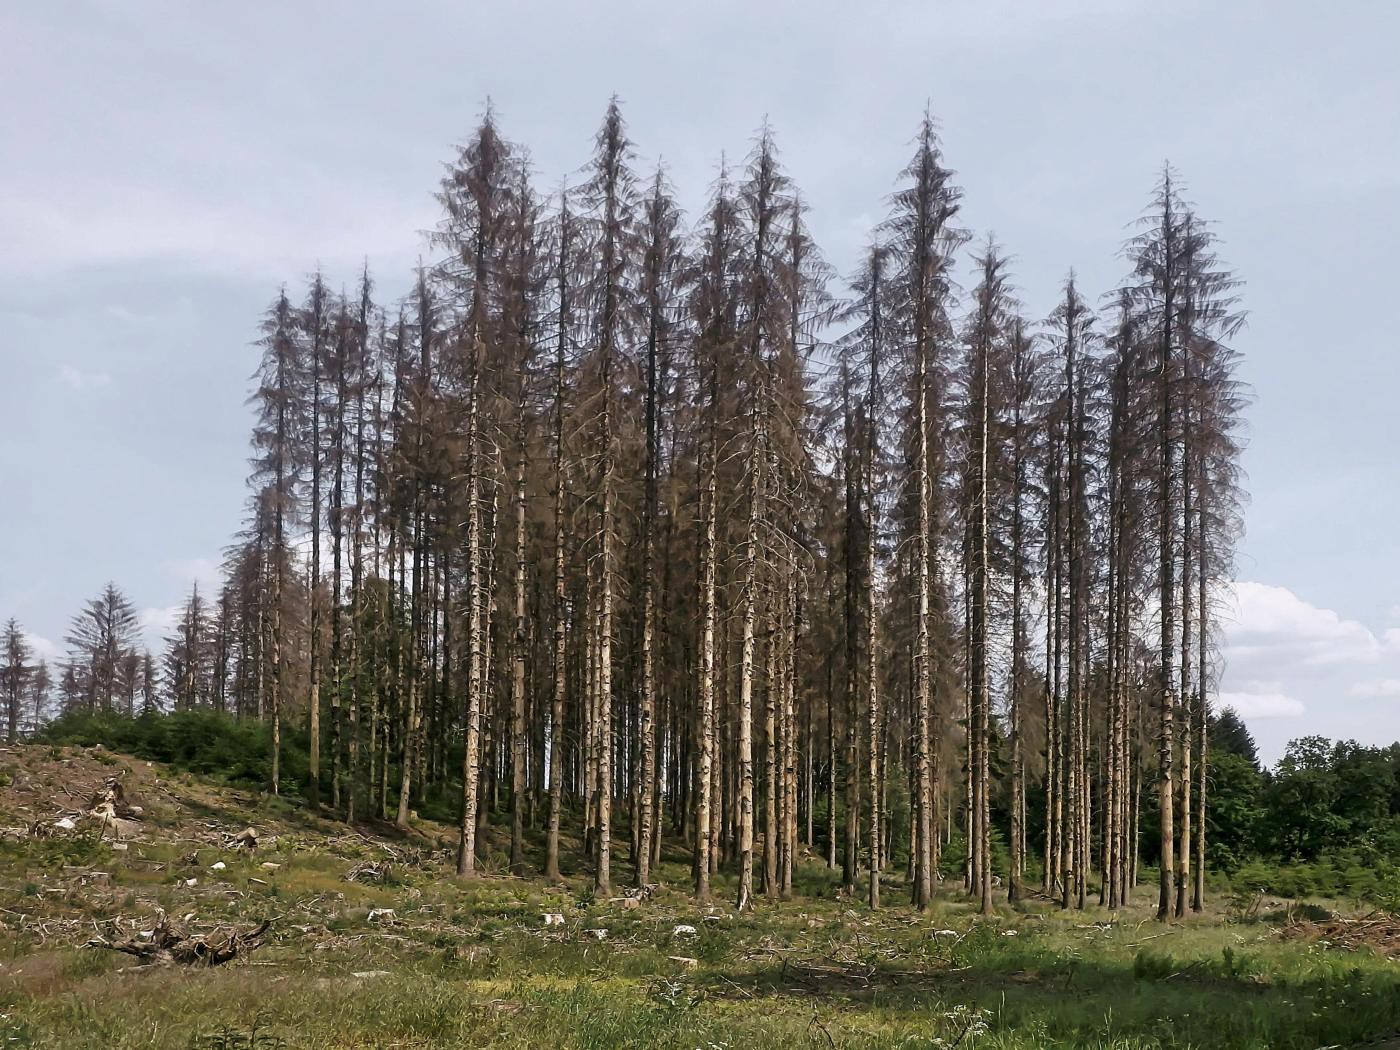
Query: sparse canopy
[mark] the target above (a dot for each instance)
(631, 529)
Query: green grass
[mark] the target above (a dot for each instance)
(470, 964)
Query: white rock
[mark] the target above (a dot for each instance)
(945, 933)
(120, 847)
(218, 865)
(64, 823)
(191, 882)
(684, 930)
(553, 918)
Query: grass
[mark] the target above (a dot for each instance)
(471, 964)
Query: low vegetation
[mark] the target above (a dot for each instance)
(372, 943)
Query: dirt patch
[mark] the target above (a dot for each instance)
(46, 784)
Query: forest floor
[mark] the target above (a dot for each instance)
(359, 956)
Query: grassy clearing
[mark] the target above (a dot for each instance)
(472, 964)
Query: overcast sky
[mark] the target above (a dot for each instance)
(165, 166)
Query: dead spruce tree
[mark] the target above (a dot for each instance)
(922, 241)
(608, 203)
(476, 197)
(613, 530)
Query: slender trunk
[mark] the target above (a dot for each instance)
(313, 769)
(337, 514)
(852, 748)
(556, 720)
(519, 645)
(873, 692)
(746, 677)
(770, 749)
(476, 586)
(923, 864)
(981, 570)
(706, 683)
(1202, 710)
(1166, 783)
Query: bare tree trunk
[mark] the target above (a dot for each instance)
(276, 647)
(1184, 780)
(519, 644)
(852, 748)
(1020, 379)
(788, 858)
(1202, 709)
(316, 319)
(830, 762)
(706, 684)
(770, 748)
(602, 877)
(746, 676)
(1167, 571)
(477, 626)
(981, 570)
(873, 690)
(923, 863)
(561, 630)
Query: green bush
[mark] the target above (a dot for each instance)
(1351, 874)
(208, 743)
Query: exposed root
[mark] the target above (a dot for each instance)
(170, 943)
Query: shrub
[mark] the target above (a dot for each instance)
(209, 743)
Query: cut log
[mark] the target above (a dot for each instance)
(245, 839)
(109, 806)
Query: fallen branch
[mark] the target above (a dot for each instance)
(368, 871)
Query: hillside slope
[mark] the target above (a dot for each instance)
(371, 943)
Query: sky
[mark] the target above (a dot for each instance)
(165, 167)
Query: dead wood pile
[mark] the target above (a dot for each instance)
(171, 942)
(1377, 931)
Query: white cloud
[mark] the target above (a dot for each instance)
(1273, 625)
(1385, 687)
(1293, 669)
(287, 230)
(77, 379)
(1263, 705)
(43, 648)
(203, 571)
(156, 624)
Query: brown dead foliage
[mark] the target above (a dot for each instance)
(1378, 932)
